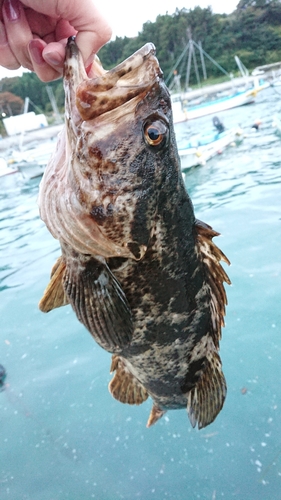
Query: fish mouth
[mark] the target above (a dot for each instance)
(108, 90)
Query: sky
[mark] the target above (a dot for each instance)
(126, 17)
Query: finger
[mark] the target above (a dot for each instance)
(44, 71)
(54, 52)
(17, 31)
(93, 29)
(54, 55)
(7, 58)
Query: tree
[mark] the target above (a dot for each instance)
(252, 31)
(10, 104)
(244, 4)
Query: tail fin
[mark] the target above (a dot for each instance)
(206, 399)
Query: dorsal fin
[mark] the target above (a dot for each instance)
(205, 399)
(211, 256)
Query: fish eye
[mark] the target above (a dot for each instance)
(155, 133)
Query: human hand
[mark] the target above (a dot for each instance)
(33, 33)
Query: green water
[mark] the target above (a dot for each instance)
(63, 437)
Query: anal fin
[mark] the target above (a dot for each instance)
(99, 301)
(155, 414)
(124, 386)
(206, 399)
(54, 295)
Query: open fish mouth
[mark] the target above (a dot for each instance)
(81, 194)
(111, 89)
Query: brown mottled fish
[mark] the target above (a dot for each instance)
(141, 273)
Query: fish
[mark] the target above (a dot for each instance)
(141, 273)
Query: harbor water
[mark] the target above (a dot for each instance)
(62, 435)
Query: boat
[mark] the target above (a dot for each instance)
(271, 72)
(276, 82)
(203, 147)
(212, 99)
(183, 112)
(30, 170)
(6, 169)
(32, 161)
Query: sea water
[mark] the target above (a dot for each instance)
(62, 435)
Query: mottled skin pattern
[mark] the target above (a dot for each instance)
(138, 269)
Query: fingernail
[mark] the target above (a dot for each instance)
(53, 58)
(35, 51)
(12, 9)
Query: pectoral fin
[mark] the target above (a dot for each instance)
(124, 386)
(54, 295)
(99, 302)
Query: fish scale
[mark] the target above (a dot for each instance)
(140, 271)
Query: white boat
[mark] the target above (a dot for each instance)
(183, 112)
(270, 71)
(6, 169)
(30, 170)
(32, 162)
(204, 147)
(276, 82)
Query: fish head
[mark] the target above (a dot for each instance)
(118, 150)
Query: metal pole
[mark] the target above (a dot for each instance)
(202, 61)
(190, 46)
(196, 67)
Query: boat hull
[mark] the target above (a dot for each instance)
(31, 170)
(5, 169)
(200, 154)
(182, 113)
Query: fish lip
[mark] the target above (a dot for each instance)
(71, 47)
(93, 97)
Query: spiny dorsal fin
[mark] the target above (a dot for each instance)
(54, 296)
(205, 233)
(206, 399)
(211, 256)
(99, 302)
(124, 386)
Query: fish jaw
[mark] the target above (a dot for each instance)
(87, 98)
(74, 75)
(130, 79)
(81, 199)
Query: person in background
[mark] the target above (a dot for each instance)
(218, 125)
(33, 33)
